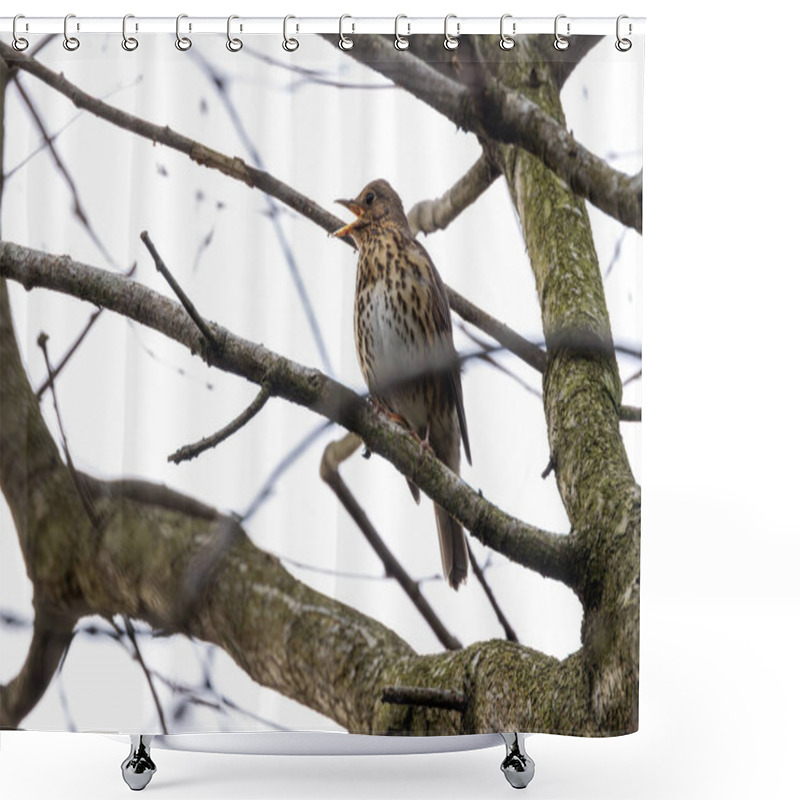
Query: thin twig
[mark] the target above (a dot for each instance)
(485, 356)
(283, 465)
(77, 206)
(635, 377)
(189, 451)
(132, 636)
(182, 296)
(314, 75)
(501, 617)
(75, 345)
(66, 357)
(79, 484)
(448, 699)
(337, 452)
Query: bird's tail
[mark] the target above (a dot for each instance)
(453, 546)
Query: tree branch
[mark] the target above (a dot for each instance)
(190, 451)
(176, 287)
(509, 117)
(501, 617)
(547, 553)
(337, 452)
(428, 216)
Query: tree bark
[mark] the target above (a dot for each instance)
(582, 397)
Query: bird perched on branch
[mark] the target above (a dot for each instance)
(404, 343)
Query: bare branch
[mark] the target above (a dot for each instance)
(509, 338)
(176, 287)
(428, 216)
(73, 348)
(140, 658)
(49, 141)
(501, 617)
(79, 485)
(190, 451)
(53, 374)
(548, 553)
(219, 82)
(511, 118)
(337, 452)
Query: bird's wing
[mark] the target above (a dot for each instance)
(444, 330)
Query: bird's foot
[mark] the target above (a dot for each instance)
(424, 444)
(383, 409)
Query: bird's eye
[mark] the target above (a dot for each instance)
(369, 198)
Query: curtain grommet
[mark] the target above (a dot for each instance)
(71, 43)
(129, 43)
(401, 42)
(450, 41)
(290, 44)
(560, 42)
(623, 44)
(234, 44)
(345, 42)
(183, 43)
(19, 43)
(507, 41)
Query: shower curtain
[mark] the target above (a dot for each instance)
(276, 462)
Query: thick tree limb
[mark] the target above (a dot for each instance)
(498, 113)
(545, 552)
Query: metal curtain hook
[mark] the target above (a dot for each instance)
(450, 41)
(506, 41)
(20, 43)
(182, 42)
(70, 42)
(345, 42)
(623, 45)
(233, 44)
(129, 43)
(290, 44)
(560, 43)
(401, 42)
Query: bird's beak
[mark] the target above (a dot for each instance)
(358, 210)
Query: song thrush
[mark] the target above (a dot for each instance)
(404, 343)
